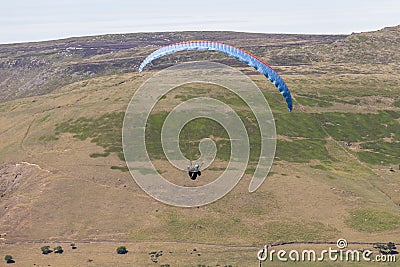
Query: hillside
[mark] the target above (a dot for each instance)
(39, 68)
(63, 178)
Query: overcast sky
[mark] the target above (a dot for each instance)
(35, 20)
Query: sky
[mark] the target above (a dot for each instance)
(38, 20)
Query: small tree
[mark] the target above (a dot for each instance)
(46, 250)
(9, 259)
(58, 249)
(122, 250)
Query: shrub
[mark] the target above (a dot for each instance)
(122, 250)
(58, 250)
(9, 259)
(46, 250)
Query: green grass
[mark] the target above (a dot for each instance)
(341, 126)
(153, 135)
(298, 231)
(123, 169)
(196, 130)
(386, 149)
(201, 128)
(377, 158)
(368, 220)
(308, 131)
(48, 138)
(361, 127)
(98, 155)
(312, 101)
(105, 131)
(302, 151)
(306, 125)
(44, 118)
(319, 167)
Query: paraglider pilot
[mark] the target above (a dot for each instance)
(194, 171)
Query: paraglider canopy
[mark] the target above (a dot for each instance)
(229, 50)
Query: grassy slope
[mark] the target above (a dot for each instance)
(330, 191)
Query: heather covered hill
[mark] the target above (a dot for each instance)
(39, 68)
